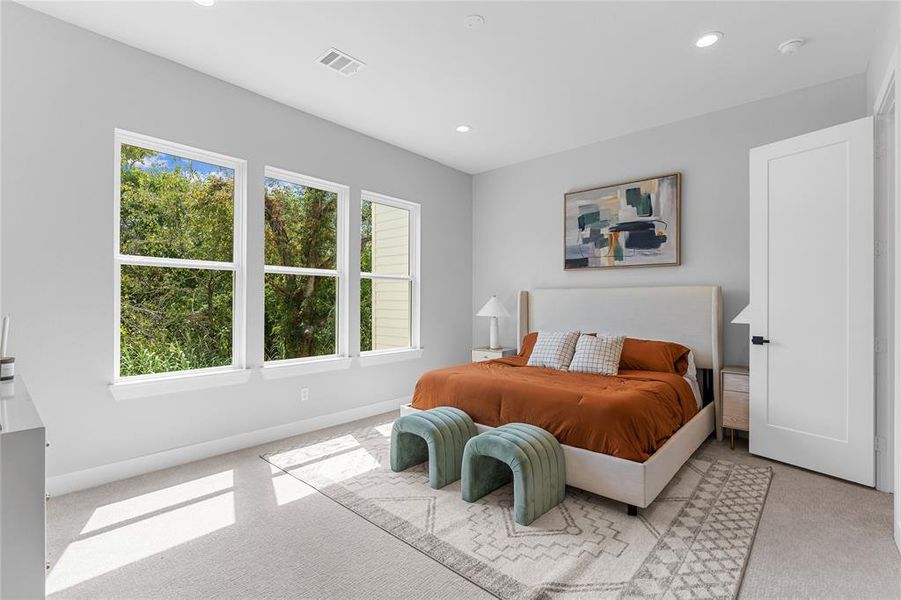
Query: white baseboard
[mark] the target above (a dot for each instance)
(88, 478)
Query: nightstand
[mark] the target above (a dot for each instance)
(480, 354)
(735, 401)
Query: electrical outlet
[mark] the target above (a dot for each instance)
(304, 394)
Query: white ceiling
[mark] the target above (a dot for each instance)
(536, 79)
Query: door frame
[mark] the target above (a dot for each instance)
(885, 105)
(886, 100)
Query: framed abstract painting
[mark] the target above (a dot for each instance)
(631, 224)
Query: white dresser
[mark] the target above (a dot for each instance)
(23, 555)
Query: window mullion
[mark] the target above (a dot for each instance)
(177, 263)
(282, 270)
(385, 276)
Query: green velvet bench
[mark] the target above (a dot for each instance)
(529, 455)
(438, 436)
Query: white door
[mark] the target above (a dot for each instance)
(812, 389)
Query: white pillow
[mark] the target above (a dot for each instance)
(553, 349)
(692, 371)
(598, 354)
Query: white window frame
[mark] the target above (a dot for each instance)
(340, 272)
(237, 266)
(413, 277)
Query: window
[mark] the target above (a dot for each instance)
(389, 274)
(178, 253)
(305, 283)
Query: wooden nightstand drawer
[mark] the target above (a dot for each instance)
(736, 408)
(735, 382)
(736, 401)
(480, 354)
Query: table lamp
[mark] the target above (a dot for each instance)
(744, 317)
(494, 309)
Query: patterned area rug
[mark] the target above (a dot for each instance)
(692, 542)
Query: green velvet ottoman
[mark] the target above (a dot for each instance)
(437, 435)
(530, 455)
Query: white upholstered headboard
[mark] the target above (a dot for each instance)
(689, 315)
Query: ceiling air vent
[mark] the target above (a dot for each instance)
(339, 61)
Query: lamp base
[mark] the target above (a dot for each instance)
(492, 335)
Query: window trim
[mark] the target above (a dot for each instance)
(340, 272)
(374, 358)
(178, 381)
(236, 266)
(414, 275)
(305, 366)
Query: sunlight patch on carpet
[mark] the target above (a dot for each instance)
(312, 452)
(103, 551)
(124, 510)
(289, 489)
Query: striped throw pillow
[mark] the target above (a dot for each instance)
(598, 354)
(554, 349)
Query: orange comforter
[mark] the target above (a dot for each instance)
(629, 415)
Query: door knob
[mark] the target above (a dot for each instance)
(759, 340)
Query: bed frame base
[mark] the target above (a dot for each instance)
(636, 484)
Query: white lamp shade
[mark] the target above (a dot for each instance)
(744, 317)
(493, 308)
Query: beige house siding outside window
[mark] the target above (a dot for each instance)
(390, 298)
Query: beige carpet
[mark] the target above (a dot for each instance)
(692, 542)
(230, 527)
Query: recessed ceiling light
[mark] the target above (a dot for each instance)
(464, 128)
(474, 21)
(205, 2)
(709, 39)
(791, 46)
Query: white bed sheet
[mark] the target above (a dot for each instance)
(695, 389)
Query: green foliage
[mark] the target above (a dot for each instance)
(301, 316)
(301, 226)
(175, 319)
(366, 284)
(366, 236)
(181, 212)
(301, 311)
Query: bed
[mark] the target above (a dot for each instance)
(631, 470)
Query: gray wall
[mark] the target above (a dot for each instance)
(518, 210)
(64, 91)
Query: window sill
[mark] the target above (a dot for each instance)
(186, 382)
(293, 368)
(382, 357)
(142, 388)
